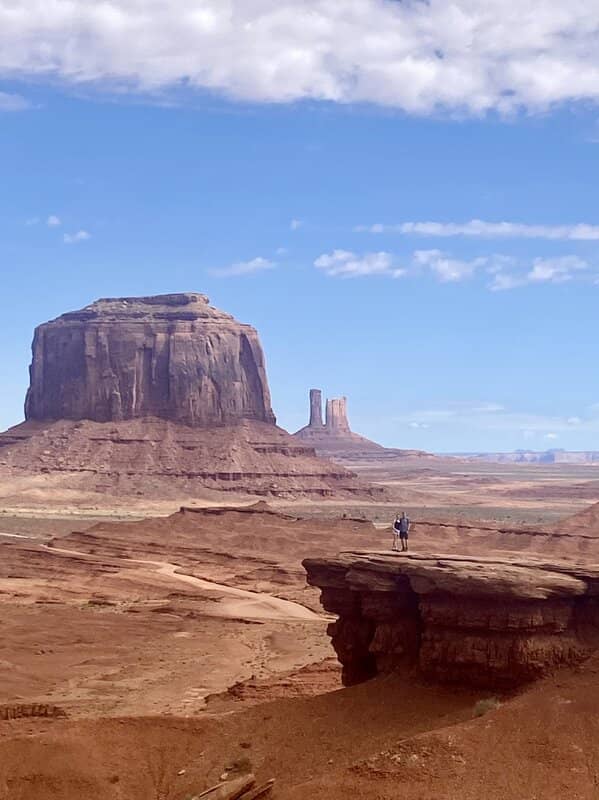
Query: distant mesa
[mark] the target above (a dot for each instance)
(554, 456)
(163, 396)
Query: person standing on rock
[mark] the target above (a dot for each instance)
(395, 532)
(402, 526)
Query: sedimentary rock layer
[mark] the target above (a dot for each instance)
(489, 622)
(171, 356)
(158, 458)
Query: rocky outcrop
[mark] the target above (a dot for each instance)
(494, 623)
(335, 439)
(27, 710)
(316, 409)
(172, 356)
(335, 435)
(336, 416)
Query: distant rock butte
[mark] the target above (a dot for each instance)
(490, 622)
(172, 356)
(334, 438)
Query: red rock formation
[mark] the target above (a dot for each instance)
(489, 622)
(158, 396)
(316, 408)
(171, 356)
(336, 440)
(335, 435)
(336, 418)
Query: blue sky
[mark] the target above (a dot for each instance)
(354, 224)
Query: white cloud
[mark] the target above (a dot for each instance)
(506, 272)
(346, 264)
(488, 230)
(467, 56)
(556, 270)
(418, 425)
(544, 270)
(75, 238)
(551, 436)
(258, 264)
(295, 224)
(281, 251)
(53, 221)
(448, 269)
(12, 102)
(503, 281)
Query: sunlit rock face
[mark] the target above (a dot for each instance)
(173, 357)
(490, 622)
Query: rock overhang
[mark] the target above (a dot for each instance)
(492, 622)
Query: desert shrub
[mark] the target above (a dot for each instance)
(484, 706)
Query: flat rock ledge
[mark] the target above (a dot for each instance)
(497, 623)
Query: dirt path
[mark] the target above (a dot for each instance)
(230, 603)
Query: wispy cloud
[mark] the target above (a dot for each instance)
(447, 269)
(251, 267)
(76, 238)
(501, 271)
(490, 416)
(13, 102)
(53, 221)
(345, 264)
(488, 230)
(296, 224)
(543, 270)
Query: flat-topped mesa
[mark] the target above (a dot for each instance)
(170, 356)
(490, 622)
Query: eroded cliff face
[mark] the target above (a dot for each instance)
(492, 623)
(173, 357)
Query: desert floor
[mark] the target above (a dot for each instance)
(143, 654)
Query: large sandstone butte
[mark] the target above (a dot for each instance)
(160, 398)
(172, 356)
(491, 622)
